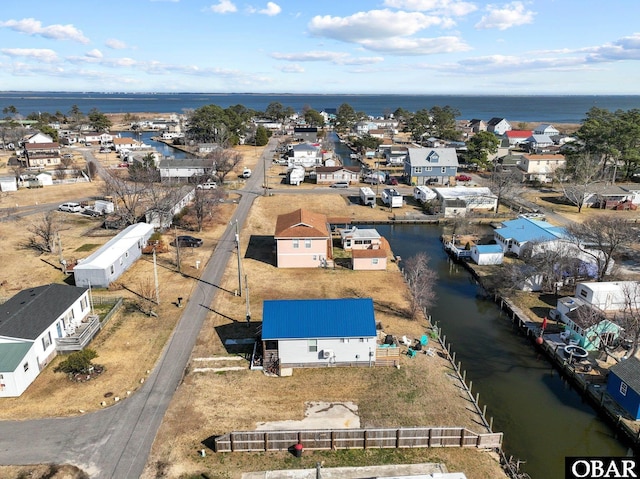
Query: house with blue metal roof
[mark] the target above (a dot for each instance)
(31, 324)
(515, 234)
(298, 333)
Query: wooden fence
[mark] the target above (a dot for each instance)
(330, 439)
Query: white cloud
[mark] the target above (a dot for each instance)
(337, 58)
(295, 68)
(39, 54)
(95, 53)
(31, 26)
(115, 44)
(510, 15)
(271, 10)
(627, 48)
(417, 46)
(224, 6)
(443, 7)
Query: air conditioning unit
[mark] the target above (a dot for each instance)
(327, 353)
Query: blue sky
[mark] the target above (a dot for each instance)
(322, 46)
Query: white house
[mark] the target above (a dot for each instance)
(545, 129)
(515, 234)
(30, 323)
(487, 254)
(540, 167)
(161, 217)
(466, 199)
(182, 170)
(611, 295)
(498, 126)
(114, 258)
(304, 154)
(360, 238)
(319, 332)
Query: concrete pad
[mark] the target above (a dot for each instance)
(319, 415)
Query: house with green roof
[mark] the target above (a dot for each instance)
(31, 324)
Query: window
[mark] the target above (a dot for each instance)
(417, 169)
(120, 260)
(427, 168)
(296, 243)
(112, 269)
(126, 254)
(307, 243)
(444, 169)
(84, 303)
(46, 341)
(623, 389)
(374, 260)
(312, 345)
(583, 293)
(25, 366)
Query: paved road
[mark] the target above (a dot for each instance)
(115, 442)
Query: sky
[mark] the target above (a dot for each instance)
(322, 46)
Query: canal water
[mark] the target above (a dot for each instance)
(163, 149)
(543, 419)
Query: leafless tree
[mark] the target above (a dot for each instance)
(553, 263)
(205, 205)
(581, 177)
(224, 161)
(503, 183)
(630, 317)
(43, 233)
(601, 238)
(129, 195)
(421, 279)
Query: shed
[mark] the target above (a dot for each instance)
(8, 183)
(114, 258)
(319, 332)
(623, 385)
(487, 254)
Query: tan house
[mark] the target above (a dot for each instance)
(326, 175)
(540, 167)
(303, 240)
(41, 155)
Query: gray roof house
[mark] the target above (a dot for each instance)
(31, 325)
(430, 165)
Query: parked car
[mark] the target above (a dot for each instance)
(340, 184)
(70, 207)
(209, 185)
(246, 173)
(532, 216)
(463, 178)
(393, 181)
(123, 165)
(187, 242)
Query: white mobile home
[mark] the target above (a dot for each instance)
(423, 193)
(367, 196)
(392, 198)
(611, 295)
(114, 258)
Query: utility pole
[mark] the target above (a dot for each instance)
(177, 250)
(239, 260)
(155, 276)
(246, 285)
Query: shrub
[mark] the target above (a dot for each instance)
(78, 362)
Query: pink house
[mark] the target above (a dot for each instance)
(303, 240)
(372, 258)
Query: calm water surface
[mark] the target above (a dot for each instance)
(543, 418)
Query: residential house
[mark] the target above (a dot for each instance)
(370, 259)
(623, 385)
(363, 127)
(304, 154)
(206, 148)
(508, 162)
(586, 325)
(96, 138)
(8, 183)
(537, 143)
(109, 262)
(31, 322)
(498, 126)
(462, 200)
(126, 143)
(516, 137)
(360, 238)
(161, 216)
(540, 168)
(395, 155)
(298, 333)
(38, 137)
(614, 196)
(195, 169)
(306, 133)
(39, 180)
(303, 240)
(327, 175)
(378, 133)
(487, 254)
(546, 129)
(515, 234)
(430, 165)
(610, 295)
(41, 155)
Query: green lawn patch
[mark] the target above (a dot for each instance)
(87, 247)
